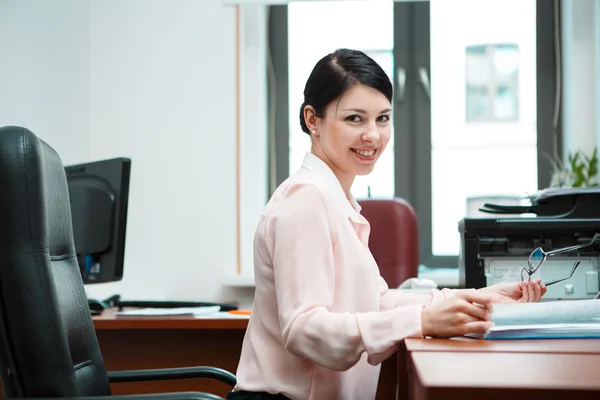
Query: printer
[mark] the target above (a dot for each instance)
(496, 249)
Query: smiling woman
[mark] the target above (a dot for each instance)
(323, 318)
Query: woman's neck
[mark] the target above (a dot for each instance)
(345, 179)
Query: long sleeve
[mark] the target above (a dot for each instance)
(303, 239)
(391, 299)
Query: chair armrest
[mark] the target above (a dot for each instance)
(154, 396)
(173, 373)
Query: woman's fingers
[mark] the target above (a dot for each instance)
(478, 297)
(525, 292)
(543, 288)
(530, 286)
(537, 292)
(477, 326)
(476, 311)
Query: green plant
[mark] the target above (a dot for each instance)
(581, 171)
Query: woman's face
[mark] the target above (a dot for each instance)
(353, 132)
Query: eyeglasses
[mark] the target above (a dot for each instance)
(538, 256)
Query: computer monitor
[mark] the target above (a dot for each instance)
(99, 193)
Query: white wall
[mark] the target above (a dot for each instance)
(253, 131)
(154, 81)
(44, 72)
(581, 75)
(596, 15)
(162, 90)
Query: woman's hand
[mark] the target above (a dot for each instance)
(516, 292)
(467, 311)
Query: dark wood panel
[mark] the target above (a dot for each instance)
(149, 349)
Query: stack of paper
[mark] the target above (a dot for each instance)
(177, 311)
(545, 320)
(223, 315)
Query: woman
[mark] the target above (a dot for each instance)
(323, 318)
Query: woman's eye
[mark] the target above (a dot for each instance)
(384, 118)
(353, 118)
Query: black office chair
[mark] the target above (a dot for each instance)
(48, 345)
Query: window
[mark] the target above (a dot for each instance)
(492, 82)
(475, 114)
(480, 146)
(333, 25)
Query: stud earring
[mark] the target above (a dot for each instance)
(314, 132)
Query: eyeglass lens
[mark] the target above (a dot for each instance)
(536, 258)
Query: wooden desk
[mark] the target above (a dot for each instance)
(471, 375)
(583, 346)
(167, 342)
(467, 368)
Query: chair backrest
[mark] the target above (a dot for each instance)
(48, 345)
(394, 238)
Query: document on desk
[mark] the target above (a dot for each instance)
(545, 320)
(177, 311)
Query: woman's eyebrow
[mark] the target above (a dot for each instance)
(356, 110)
(361, 111)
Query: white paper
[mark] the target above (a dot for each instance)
(541, 331)
(552, 319)
(152, 312)
(550, 312)
(548, 327)
(223, 315)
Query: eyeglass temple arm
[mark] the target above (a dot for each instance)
(571, 248)
(565, 278)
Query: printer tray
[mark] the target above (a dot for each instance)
(517, 237)
(555, 203)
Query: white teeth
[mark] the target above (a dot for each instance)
(364, 153)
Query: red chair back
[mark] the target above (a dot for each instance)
(394, 238)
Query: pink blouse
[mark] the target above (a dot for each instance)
(323, 318)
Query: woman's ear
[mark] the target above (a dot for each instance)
(310, 118)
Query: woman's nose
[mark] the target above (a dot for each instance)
(371, 135)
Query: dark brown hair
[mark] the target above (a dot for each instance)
(337, 72)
